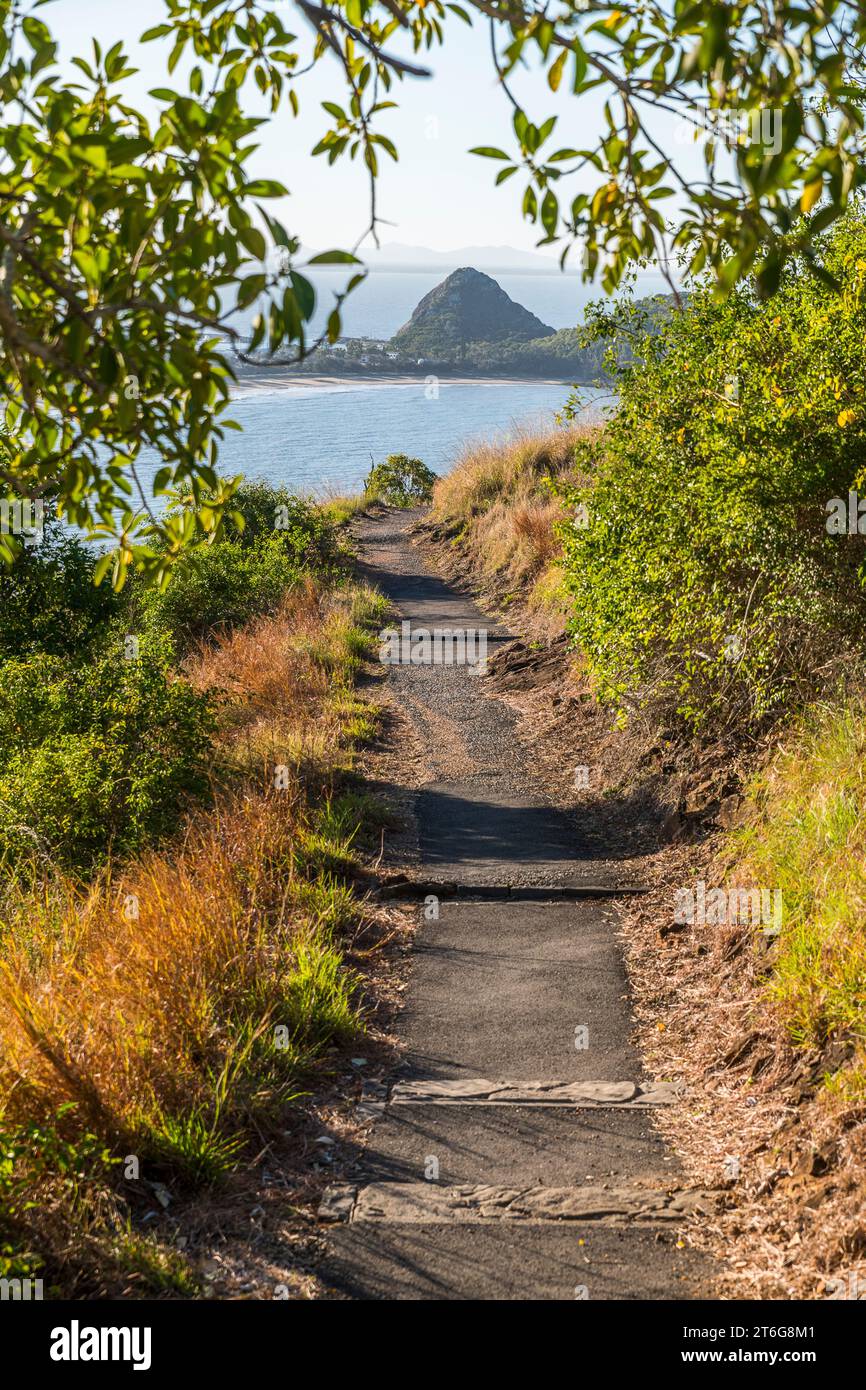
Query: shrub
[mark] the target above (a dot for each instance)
(400, 481)
(48, 598)
(302, 527)
(701, 572)
(219, 586)
(246, 571)
(97, 757)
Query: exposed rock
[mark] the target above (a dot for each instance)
(729, 811)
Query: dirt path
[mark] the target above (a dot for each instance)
(513, 1156)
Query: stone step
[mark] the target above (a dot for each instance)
(450, 889)
(427, 1203)
(581, 1094)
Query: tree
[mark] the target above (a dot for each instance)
(126, 243)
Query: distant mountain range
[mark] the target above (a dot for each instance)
(396, 255)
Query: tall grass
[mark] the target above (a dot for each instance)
(172, 1006)
(152, 993)
(496, 505)
(806, 834)
(145, 1018)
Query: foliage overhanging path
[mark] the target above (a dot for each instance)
(128, 241)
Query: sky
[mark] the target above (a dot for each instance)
(438, 195)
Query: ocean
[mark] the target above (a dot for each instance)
(315, 438)
(319, 435)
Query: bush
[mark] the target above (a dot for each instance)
(302, 527)
(48, 598)
(246, 571)
(400, 481)
(219, 586)
(700, 571)
(97, 758)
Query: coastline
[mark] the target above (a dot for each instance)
(277, 378)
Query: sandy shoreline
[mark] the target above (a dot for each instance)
(279, 378)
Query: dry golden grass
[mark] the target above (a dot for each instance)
(287, 677)
(533, 523)
(497, 506)
(186, 995)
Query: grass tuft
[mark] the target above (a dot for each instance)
(806, 834)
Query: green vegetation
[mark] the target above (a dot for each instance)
(49, 601)
(129, 241)
(696, 551)
(97, 758)
(399, 482)
(805, 835)
(565, 354)
(61, 1221)
(177, 845)
(247, 572)
(102, 742)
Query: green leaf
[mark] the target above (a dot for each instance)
(250, 289)
(554, 76)
(581, 67)
(265, 188)
(108, 365)
(305, 295)
(254, 241)
(333, 258)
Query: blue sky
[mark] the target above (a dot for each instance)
(438, 195)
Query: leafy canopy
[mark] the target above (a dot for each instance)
(126, 243)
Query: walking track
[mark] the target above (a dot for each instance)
(514, 1155)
